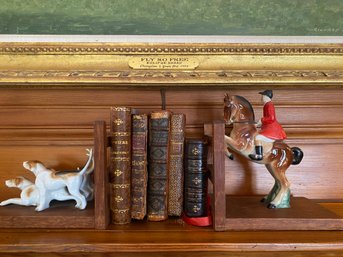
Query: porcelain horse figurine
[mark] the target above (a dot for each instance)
(277, 156)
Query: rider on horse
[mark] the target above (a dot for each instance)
(271, 130)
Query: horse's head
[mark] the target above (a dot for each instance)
(228, 107)
(237, 109)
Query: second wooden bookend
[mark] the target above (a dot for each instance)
(247, 212)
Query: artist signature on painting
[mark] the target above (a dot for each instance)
(328, 29)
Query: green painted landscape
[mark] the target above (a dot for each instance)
(173, 17)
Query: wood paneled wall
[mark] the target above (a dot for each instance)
(55, 126)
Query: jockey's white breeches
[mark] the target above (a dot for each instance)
(263, 138)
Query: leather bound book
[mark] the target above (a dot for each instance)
(176, 176)
(196, 178)
(139, 172)
(158, 174)
(120, 165)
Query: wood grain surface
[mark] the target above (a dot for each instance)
(56, 125)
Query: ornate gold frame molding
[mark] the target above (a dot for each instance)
(51, 65)
(141, 48)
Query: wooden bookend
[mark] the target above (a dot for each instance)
(247, 212)
(215, 132)
(101, 191)
(219, 176)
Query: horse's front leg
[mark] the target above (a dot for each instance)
(232, 144)
(228, 154)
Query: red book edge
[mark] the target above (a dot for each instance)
(200, 221)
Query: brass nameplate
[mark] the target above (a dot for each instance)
(164, 62)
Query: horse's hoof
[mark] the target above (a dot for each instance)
(231, 157)
(256, 157)
(271, 206)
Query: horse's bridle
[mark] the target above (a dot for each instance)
(238, 122)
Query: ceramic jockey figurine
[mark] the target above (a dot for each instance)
(271, 130)
(266, 147)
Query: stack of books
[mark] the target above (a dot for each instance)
(147, 165)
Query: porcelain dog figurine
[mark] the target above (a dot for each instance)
(29, 195)
(48, 180)
(87, 187)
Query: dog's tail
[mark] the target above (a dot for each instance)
(91, 167)
(90, 159)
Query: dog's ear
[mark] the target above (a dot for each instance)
(35, 163)
(27, 165)
(18, 181)
(29, 191)
(32, 164)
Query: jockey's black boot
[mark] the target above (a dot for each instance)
(258, 156)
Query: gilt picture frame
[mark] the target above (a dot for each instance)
(181, 43)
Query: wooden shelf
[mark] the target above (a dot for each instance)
(248, 213)
(162, 242)
(59, 215)
(170, 238)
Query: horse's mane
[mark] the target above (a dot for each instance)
(247, 104)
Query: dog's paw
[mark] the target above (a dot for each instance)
(39, 208)
(80, 206)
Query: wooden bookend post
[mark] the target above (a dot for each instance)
(101, 200)
(216, 162)
(219, 201)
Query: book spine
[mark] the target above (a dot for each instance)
(120, 164)
(176, 175)
(158, 174)
(139, 171)
(196, 178)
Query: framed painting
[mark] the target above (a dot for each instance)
(161, 17)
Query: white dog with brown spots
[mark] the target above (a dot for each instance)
(48, 181)
(29, 195)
